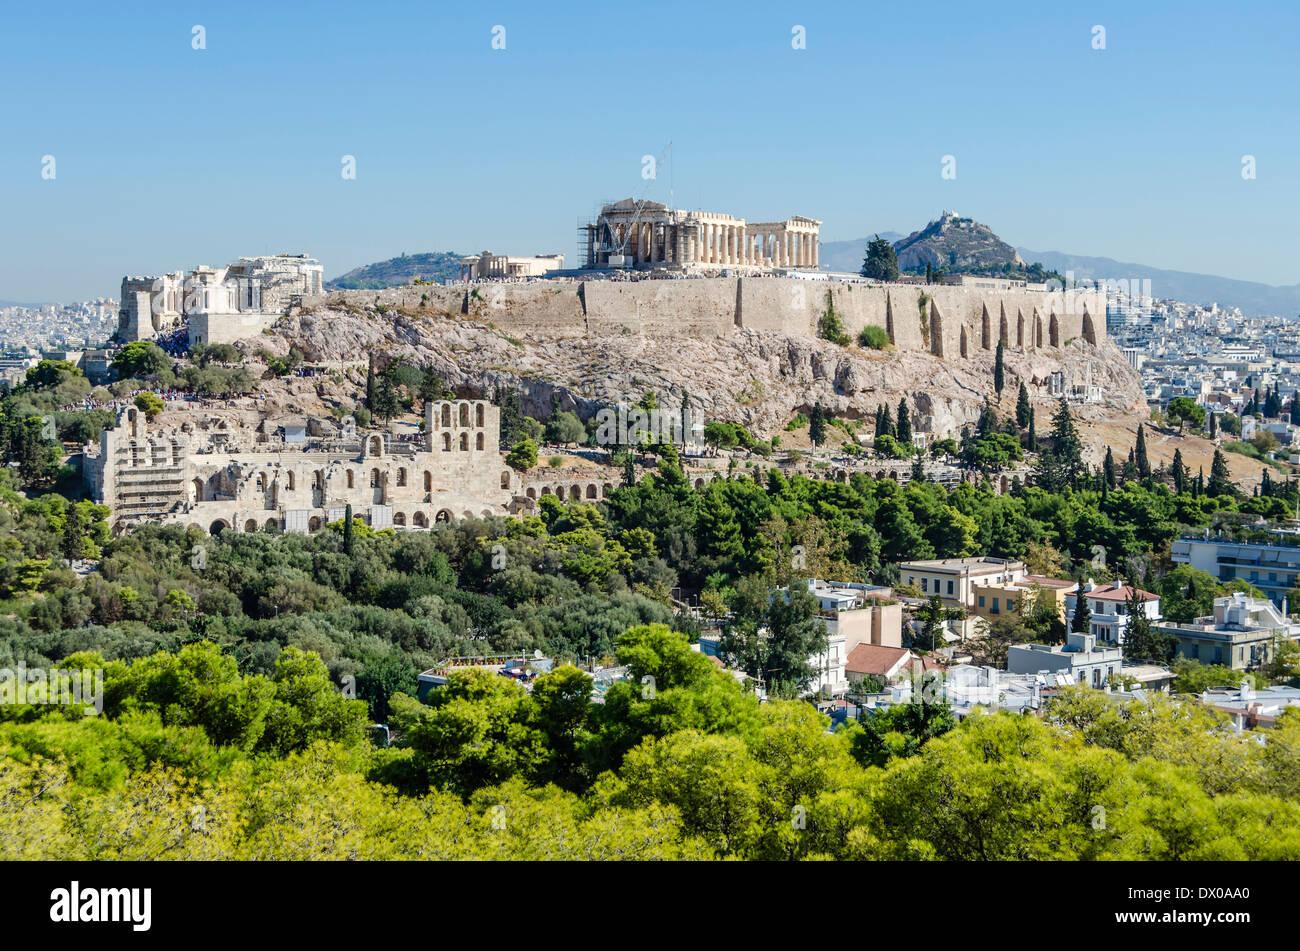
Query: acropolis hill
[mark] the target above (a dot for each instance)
(746, 349)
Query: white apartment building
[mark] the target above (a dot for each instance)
(1079, 657)
(1108, 605)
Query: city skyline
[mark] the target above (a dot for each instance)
(166, 156)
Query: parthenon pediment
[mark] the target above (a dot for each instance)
(631, 204)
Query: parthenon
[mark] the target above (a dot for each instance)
(648, 234)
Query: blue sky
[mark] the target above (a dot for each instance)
(167, 157)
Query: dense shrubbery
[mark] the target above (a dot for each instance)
(221, 688)
(276, 768)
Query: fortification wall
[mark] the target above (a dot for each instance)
(694, 307)
(948, 321)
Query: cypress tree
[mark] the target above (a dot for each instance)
(817, 425)
(1220, 477)
(1062, 465)
(74, 530)
(1108, 470)
(904, 423)
(1022, 406)
(1180, 473)
(999, 371)
(370, 383)
(886, 427)
(1272, 404)
(1214, 425)
(1140, 453)
(347, 529)
(687, 422)
(1082, 619)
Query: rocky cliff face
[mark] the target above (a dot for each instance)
(955, 243)
(757, 378)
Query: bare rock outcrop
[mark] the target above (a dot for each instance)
(757, 378)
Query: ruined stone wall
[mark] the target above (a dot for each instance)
(948, 321)
(221, 478)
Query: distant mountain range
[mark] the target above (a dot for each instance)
(1253, 298)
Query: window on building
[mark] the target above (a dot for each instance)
(981, 600)
(950, 586)
(995, 606)
(925, 582)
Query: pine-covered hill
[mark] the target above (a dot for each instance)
(956, 244)
(432, 266)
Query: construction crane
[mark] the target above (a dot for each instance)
(618, 254)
